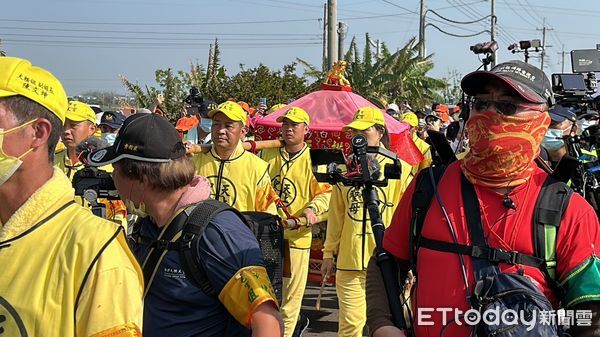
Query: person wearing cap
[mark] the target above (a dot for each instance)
(411, 119)
(433, 122)
(393, 110)
(157, 181)
(562, 125)
(507, 123)
(290, 169)
(238, 177)
(80, 123)
(110, 123)
(349, 238)
(65, 272)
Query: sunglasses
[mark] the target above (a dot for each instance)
(507, 108)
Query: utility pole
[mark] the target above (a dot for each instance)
(325, 62)
(332, 31)
(377, 46)
(422, 30)
(493, 31)
(562, 53)
(544, 30)
(342, 29)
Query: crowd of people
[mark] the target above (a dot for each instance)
(69, 272)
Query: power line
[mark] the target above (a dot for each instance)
(79, 43)
(158, 24)
(156, 39)
(456, 35)
(156, 33)
(469, 13)
(165, 47)
(430, 19)
(459, 22)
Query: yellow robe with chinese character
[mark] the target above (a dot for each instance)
(242, 181)
(294, 182)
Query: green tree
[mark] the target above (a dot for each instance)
(250, 85)
(395, 77)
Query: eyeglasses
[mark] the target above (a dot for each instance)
(507, 108)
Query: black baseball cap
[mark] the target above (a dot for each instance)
(528, 81)
(143, 137)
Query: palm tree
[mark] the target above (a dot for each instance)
(399, 76)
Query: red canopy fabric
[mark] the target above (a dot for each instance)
(329, 111)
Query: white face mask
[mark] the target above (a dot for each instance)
(583, 124)
(9, 164)
(109, 137)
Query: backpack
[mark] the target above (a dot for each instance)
(495, 290)
(192, 222)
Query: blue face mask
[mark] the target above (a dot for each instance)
(206, 124)
(553, 140)
(109, 138)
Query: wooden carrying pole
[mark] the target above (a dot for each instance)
(248, 146)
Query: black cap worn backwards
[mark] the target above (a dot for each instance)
(528, 81)
(143, 137)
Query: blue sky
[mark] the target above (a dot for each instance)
(87, 44)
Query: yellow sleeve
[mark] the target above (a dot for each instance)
(335, 223)
(111, 299)
(265, 195)
(322, 196)
(245, 291)
(425, 163)
(405, 177)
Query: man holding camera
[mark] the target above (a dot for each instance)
(238, 178)
(156, 180)
(65, 272)
(509, 118)
(79, 132)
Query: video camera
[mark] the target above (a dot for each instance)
(194, 98)
(92, 183)
(361, 168)
(578, 87)
(486, 48)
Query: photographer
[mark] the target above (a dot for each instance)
(349, 234)
(486, 203)
(156, 180)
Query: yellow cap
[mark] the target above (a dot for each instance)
(79, 112)
(276, 107)
(296, 115)
(19, 77)
(232, 110)
(410, 118)
(366, 117)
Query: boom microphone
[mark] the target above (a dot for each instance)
(88, 145)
